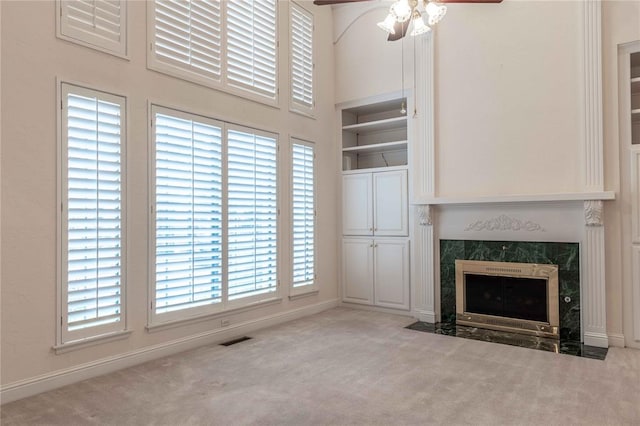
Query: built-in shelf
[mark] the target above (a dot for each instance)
(635, 85)
(520, 198)
(377, 126)
(635, 115)
(374, 135)
(375, 147)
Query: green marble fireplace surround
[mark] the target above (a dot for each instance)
(565, 255)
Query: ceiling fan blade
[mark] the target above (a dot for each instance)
(329, 2)
(401, 31)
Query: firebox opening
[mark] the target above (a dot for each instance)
(522, 298)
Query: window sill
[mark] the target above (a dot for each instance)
(308, 293)
(151, 328)
(91, 341)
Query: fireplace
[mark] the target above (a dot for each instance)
(506, 296)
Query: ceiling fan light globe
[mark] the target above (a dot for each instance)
(387, 24)
(436, 12)
(419, 27)
(401, 10)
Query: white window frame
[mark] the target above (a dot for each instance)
(294, 105)
(155, 318)
(90, 39)
(313, 286)
(174, 70)
(159, 321)
(119, 329)
(274, 293)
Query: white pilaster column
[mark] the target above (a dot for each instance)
(423, 269)
(594, 317)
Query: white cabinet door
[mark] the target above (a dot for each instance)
(391, 274)
(357, 204)
(357, 270)
(390, 211)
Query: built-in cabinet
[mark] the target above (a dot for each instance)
(375, 203)
(375, 213)
(629, 107)
(376, 271)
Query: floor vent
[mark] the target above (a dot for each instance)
(234, 341)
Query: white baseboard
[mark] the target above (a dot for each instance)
(376, 309)
(616, 340)
(56, 379)
(425, 316)
(599, 340)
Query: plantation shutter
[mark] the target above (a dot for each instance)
(252, 213)
(92, 219)
(303, 199)
(188, 212)
(301, 24)
(251, 45)
(100, 23)
(187, 34)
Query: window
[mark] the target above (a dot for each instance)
(92, 213)
(187, 37)
(214, 222)
(101, 24)
(188, 212)
(252, 222)
(303, 213)
(251, 45)
(188, 41)
(301, 60)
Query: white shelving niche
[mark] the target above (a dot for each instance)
(374, 135)
(375, 207)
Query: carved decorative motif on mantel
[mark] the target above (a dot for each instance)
(424, 214)
(593, 213)
(504, 223)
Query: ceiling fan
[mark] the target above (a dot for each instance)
(406, 12)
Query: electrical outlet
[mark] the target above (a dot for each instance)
(225, 323)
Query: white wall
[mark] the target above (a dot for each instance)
(509, 92)
(32, 58)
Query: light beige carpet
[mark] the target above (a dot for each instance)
(348, 366)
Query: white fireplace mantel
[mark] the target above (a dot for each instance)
(517, 198)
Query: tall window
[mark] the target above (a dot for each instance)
(187, 41)
(188, 212)
(253, 213)
(92, 213)
(303, 213)
(101, 24)
(201, 265)
(301, 58)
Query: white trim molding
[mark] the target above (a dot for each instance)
(35, 385)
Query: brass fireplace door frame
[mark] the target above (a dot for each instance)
(516, 270)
